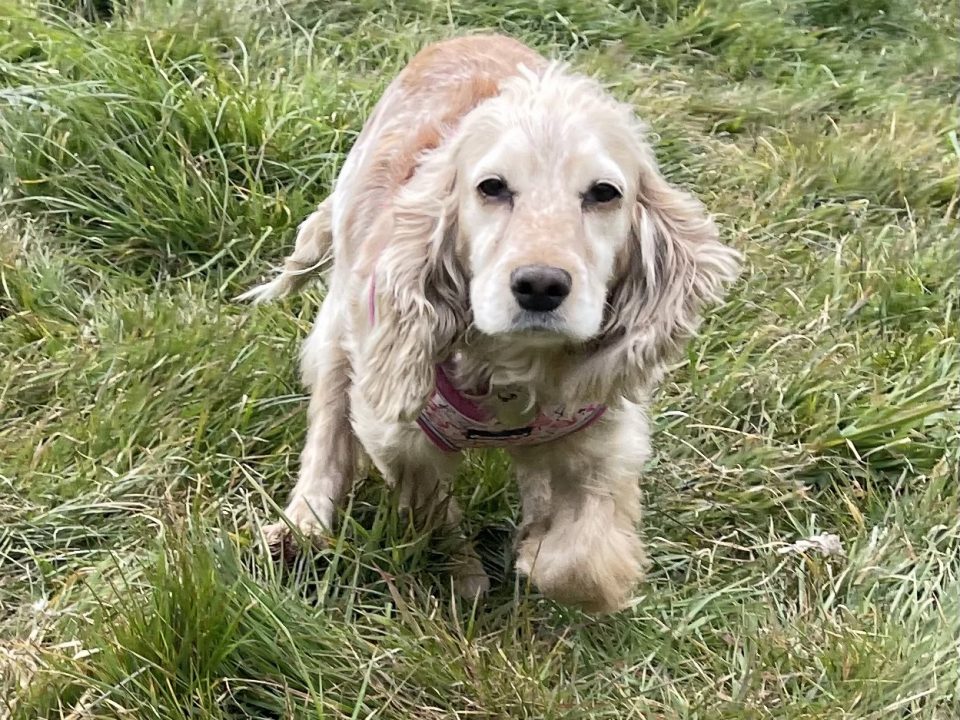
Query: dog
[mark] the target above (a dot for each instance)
(509, 269)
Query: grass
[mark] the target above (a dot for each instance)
(155, 158)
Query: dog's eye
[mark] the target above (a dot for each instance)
(600, 193)
(494, 188)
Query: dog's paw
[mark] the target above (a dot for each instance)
(470, 580)
(303, 519)
(282, 540)
(594, 572)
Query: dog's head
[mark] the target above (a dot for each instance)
(547, 173)
(544, 221)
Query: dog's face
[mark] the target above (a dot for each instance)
(545, 206)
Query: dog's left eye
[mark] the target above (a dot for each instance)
(494, 188)
(601, 193)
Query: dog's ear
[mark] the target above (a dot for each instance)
(420, 299)
(673, 266)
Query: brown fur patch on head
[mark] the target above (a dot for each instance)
(443, 83)
(429, 135)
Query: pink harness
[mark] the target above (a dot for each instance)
(454, 420)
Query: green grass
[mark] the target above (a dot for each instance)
(155, 160)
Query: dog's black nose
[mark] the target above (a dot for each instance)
(540, 288)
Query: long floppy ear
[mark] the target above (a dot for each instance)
(673, 267)
(419, 302)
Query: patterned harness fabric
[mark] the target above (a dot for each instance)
(455, 420)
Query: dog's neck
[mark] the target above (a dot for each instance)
(496, 365)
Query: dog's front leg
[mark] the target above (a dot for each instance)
(328, 461)
(578, 542)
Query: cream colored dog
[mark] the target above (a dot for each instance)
(501, 222)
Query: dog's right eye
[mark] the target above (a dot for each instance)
(494, 189)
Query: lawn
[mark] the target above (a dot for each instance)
(155, 161)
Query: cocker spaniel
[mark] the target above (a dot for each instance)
(509, 269)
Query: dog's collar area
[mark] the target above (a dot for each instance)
(455, 419)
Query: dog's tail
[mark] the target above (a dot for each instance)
(311, 253)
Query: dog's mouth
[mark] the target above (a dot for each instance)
(539, 329)
(538, 323)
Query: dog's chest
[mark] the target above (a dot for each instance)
(511, 406)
